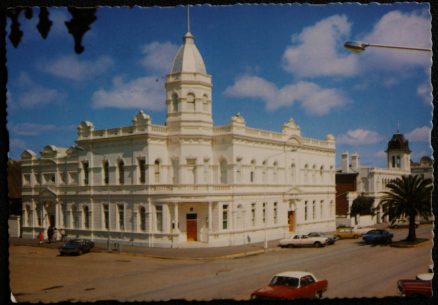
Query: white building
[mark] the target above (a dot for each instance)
(371, 181)
(186, 181)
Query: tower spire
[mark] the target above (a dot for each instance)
(188, 18)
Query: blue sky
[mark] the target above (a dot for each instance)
(268, 62)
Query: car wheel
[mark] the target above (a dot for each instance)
(291, 246)
(355, 236)
(318, 295)
(317, 244)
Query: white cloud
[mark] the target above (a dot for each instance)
(425, 92)
(359, 137)
(315, 51)
(421, 134)
(17, 145)
(70, 67)
(32, 95)
(399, 29)
(380, 154)
(58, 16)
(32, 129)
(159, 56)
(314, 99)
(144, 93)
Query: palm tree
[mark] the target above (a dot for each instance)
(408, 196)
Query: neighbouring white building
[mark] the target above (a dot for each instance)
(370, 181)
(185, 181)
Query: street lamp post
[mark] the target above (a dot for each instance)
(358, 46)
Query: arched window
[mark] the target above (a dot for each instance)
(175, 102)
(314, 209)
(275, 172)
(305, 210)
(85, 168)
(191, 102)
(205, 103)
(292, 172)
(40, 212)
(28, 216)
(275, 213)
(321, 211)
(223, 171)
(264, 170)
(142, 170)
(142, 215)
(121, 166)
(85, 217)
(157, 171)
(175, 171)
(106, 172)
(75, 214)
(252, 171)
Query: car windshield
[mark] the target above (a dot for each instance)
(284, 281)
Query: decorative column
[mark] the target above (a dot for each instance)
(210, 220)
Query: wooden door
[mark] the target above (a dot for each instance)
(291, 220)
(52, 220)
(192, 227)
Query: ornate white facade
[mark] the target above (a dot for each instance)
(185, 181)
(371, 181)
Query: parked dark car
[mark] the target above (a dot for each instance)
(331, 239)
(378, 236)
(76, 247)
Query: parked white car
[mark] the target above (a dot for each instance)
(299, 240)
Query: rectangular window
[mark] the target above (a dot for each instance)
(264, 212)
(142, 168)
(40, 211)
(106, 172)
(75, 217)
(253, 214)
(275, 212)
(106, 216)
(142, 219)
(313, 209)
(305, 210)
(251, 176)
(121, 172)
(225, 216)
(85, 167)
(159, 214)
(121, 210)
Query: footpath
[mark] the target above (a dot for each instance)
(193, 251)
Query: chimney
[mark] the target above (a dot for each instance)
(345, 164)
(355, 161)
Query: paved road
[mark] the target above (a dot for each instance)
(352, 269)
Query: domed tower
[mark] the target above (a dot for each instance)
(188, 91)
(398, 153)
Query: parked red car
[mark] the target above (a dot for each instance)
(292, 285)
(415, 288)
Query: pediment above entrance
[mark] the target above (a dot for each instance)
(48, 193)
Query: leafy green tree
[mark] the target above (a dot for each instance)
(408, 197)
(362, 205)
